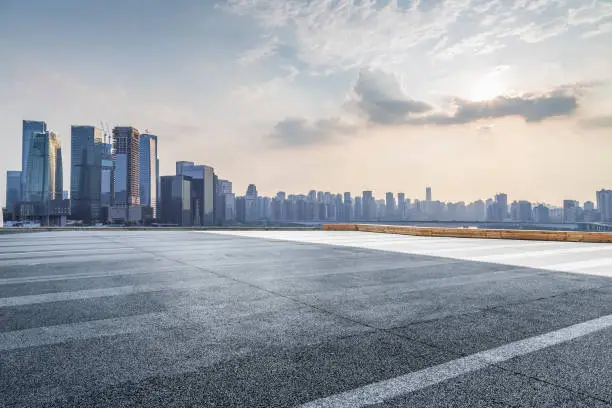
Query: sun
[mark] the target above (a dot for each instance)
(486, 88)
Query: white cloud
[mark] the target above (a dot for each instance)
(264, 50)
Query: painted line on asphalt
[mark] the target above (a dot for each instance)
(378, 392)
(44, 336)
(103, 292)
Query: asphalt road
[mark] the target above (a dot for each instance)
(178, 319)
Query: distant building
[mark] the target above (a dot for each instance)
(126, 154)
(428, 194)
(501, 200)
(368, 206)
(202, 191)
(389, 206)
(44, 180)
(524, 211)
(251, 210)
(570, 211)
(29, 128)
(181, 164)
(604, 204)
(106, 180)
(541, 214)
(224, 202)
(588, 206)
(175, 201)
(13, 190)
(148, 173)
(85, 173)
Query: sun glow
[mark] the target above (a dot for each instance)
(487, 87)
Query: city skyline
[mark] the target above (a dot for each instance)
(152, 170)
(471, 97)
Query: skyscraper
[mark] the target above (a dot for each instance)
(148, 172)
(13, 190)
(106, 179)
(604, 204)
(368, 206)
(175, 200)
(85, 173)
(29, 128)
(44, 180)
(251, 210)
(427, 194)
(126, 153)
(202, 191)
(501, 201)
(389, 205)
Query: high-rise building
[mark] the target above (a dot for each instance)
(106, 179)
(604, 204)
(223, 196)
(358, 214)
(348, 214)
(524, 211)
(175, 200)
(251, 211)
(389, 205)
(368, 206)
(85, 173)
(202, 191)
(570, 210)
(501, 201)
(427, 194)
(148, 173)
(126, 153)
(29, 128)
(589, 206)
(13, 190)
(541, 214)
(181, 164)
(401, 205)
(44, 180)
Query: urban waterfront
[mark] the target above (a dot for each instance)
(115, 180)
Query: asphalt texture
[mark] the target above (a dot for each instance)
(195, 319)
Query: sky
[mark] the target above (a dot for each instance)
(470, 97)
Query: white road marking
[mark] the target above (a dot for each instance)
(384, 390)
(102, 292)
(43, 336)
(574, 257)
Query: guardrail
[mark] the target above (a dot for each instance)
(533, 235)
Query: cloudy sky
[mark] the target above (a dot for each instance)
(471, 97)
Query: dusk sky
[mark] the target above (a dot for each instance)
(470, 97)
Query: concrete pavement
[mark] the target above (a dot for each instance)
(281, 319)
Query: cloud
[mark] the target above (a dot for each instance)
(266, 49)
(597, 122)
(531, 107)
(301, 132)
(379, 97)
(345, 34)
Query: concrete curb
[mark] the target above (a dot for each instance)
(533, 235)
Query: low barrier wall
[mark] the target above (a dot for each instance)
(534, 235)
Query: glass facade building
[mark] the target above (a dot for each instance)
(106, 175)
(202, 192)
(85, 174)
(149, 173)
(29, 128)
(13, 189)
(44, 180)
(175, 200)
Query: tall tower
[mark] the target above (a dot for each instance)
(29, 128)
(148, 172)
(85, 172)
(126, 153)
(427, 193)
(44, 180)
